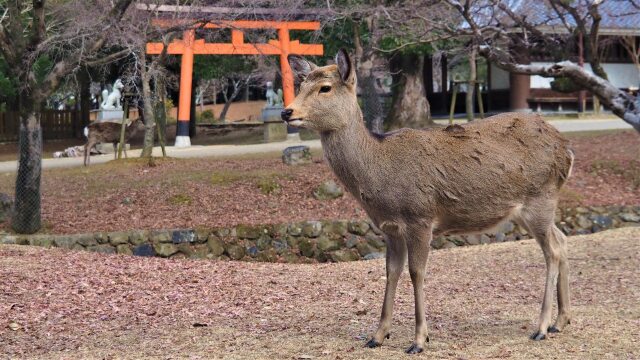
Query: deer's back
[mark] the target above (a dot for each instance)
(475, 172)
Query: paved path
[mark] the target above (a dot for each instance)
(195, 151)
(235, 150)
(574, 125)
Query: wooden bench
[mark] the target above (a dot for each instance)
(540, 96)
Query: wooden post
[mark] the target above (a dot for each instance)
(454, 87)
(480, 104)
(121, 143)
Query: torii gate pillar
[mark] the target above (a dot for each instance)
(189, 46)
(287, 74)
(184, 101)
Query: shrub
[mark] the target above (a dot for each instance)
(207, 116)
(268, 185)
(180, 199)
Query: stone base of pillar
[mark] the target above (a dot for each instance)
(295, 137)
(182, 141)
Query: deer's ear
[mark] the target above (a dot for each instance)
(346, 68)
(301, 67)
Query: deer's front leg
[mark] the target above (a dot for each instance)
(396, 258)
(418, 244)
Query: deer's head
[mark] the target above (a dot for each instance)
(327, 98)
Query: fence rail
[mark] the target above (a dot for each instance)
(56, 124)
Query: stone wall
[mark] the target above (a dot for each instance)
(304, 242)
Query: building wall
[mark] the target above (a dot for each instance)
(621, 75)
(499, 78)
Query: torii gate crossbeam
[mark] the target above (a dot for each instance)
(189, 46)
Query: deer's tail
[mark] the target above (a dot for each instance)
(566, 168)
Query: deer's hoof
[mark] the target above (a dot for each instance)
(537, 336)
(372, 344)
(414, 349)
(553, 329)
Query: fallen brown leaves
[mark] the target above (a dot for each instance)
(607, 169)
(482, 302)
(207, 192)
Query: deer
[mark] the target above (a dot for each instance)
(109, 132)
(419, 184)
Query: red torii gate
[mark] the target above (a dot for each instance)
(189, 46)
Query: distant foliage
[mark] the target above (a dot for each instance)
(207, 116)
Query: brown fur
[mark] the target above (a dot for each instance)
(109, 132)
(416, 184)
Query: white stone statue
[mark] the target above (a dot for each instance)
(274, 99)
(112, 101)
(270, 94)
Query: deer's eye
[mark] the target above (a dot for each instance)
(325, 89)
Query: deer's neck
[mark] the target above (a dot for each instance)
(352, 153)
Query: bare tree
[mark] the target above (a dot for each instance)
(497, 30)
(391, 34)
(71, 33)
(630, 44)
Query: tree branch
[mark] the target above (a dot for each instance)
(108, 59)
(65, 66)
(38, 27)
(626, 106)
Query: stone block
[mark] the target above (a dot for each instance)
(275, 131)
(312, 229)
(137, 237)
(118, 238)
(183, 236)
(144, 250)
(102, 249)
(6, 207)
(165, 249)
(344, 255)
(216, 246)
(296, 155)
(64, 242)
(160, 236)
(124, 249)
(358, 227)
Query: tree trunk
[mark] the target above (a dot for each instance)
(229, 100)
(225, 108)
(471, 86)
(149, 117)
(26, 218)
(85, 102)
(372, 109)
(410, 107)
(201, 90)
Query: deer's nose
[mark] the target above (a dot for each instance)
(286, 114)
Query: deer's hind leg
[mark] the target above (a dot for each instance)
(538, 218)
(395, 260)
(418, 243)
(87, 152)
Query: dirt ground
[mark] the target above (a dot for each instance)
(482, 303)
